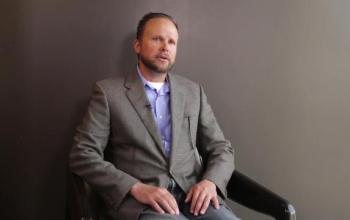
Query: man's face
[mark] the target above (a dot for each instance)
(158, 45)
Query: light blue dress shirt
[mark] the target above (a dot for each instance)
(160, 102)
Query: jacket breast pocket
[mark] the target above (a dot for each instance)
(185, 140)
(193, 124)
(188, 133)
(187, 144)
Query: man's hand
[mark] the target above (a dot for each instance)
(158, 198)
(201, 194)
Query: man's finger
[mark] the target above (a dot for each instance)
(205, 205)
(202, 199)
(194, 202)
(216, 202)
(189, 196)
(169, 203)
(156, 207)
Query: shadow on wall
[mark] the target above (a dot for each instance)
(128, 57)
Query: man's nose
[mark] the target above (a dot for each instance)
(165, 46)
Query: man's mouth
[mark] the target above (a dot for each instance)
(163, 57)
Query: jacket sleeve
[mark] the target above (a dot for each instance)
(217, 153)
(86, 156)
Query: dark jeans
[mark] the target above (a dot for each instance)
(211, 214)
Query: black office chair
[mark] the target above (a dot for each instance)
(83, 201)
(250, 194)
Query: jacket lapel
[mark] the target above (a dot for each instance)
(177, 104)
(138, 98)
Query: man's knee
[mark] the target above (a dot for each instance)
(151, 214)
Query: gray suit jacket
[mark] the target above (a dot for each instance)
(118, 142)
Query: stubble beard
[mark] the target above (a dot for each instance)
(156, 67)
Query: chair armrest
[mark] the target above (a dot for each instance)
(78, 201)
(252, 195)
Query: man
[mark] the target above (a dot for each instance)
(149, 142)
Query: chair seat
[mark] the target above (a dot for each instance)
(83, 202)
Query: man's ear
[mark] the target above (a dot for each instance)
(137, 46)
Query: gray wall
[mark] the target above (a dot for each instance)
(276, 73)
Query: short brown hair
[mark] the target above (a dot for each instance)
(149, 16)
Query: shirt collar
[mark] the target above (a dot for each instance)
(165, 87)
